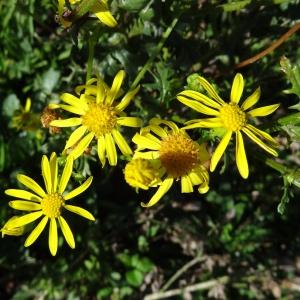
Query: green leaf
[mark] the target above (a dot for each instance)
(292, 72)
(235, 5)
(49, 80)
(10, 105)
(133, 5)
(134, 278)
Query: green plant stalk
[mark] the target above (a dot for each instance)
(90, 58)
(276, 166)
(149, 62)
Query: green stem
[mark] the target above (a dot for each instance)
(92, 42)
(276, 166)
(149, 62)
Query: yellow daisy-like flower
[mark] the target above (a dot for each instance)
(232, 118)
(179, 156)
(100, 9)
(100, 117)
(48, 203)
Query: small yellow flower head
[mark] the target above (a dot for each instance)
(100, 117)
(142, 173)
(180, 157)
(24, 119)
(48, 203)
(17, 231)
(230, 117)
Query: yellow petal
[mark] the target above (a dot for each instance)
(53, 239)
(203, 188)
(252, 99)
(210, 90)
(195, 178)
(201, 98)
(260, 143)
(241, 159)
(74, 101)
(101, 150)
(24, 205)
(263, 135)
(27, 105)
(118, 80)
(16, 231)
(54, 170)
(158, 131)
(161, 191)
(220, 150)
(205, 123)
(35, 233)
(26, 219)
(111, 150)
(100, 9)
(79, 189)
(145, 142)
(82, 145)
(46, 174)
(80, 211)
(146, 155)
(172, 125)
(237, 88)
(76, 135)
(31, 184)
(126, 99)
(73, 109)
(198, 106)
(67, 122)
(263, 111)
(129, 121)
(66, 232)
(23, 195)
(101, 90)
(186, 184)
(121, 142)
(65, 177)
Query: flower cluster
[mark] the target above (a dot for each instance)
(163, 153)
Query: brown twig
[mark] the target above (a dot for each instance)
(273, 46)
(191, 288)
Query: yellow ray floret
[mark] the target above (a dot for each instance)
(99, 117)
(99, 9)
(47, 204)
(176, 157)
(232, 117)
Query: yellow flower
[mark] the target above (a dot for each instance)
(100, 9)
(232, 118)
(48, 203)
(17, 231)
(24, 119)
(179, 156)
(142, 173)
(100, 117)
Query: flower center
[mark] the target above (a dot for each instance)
(178, 154)
(100, 119)
(52, 204)
(141, 173)
(233, 117)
